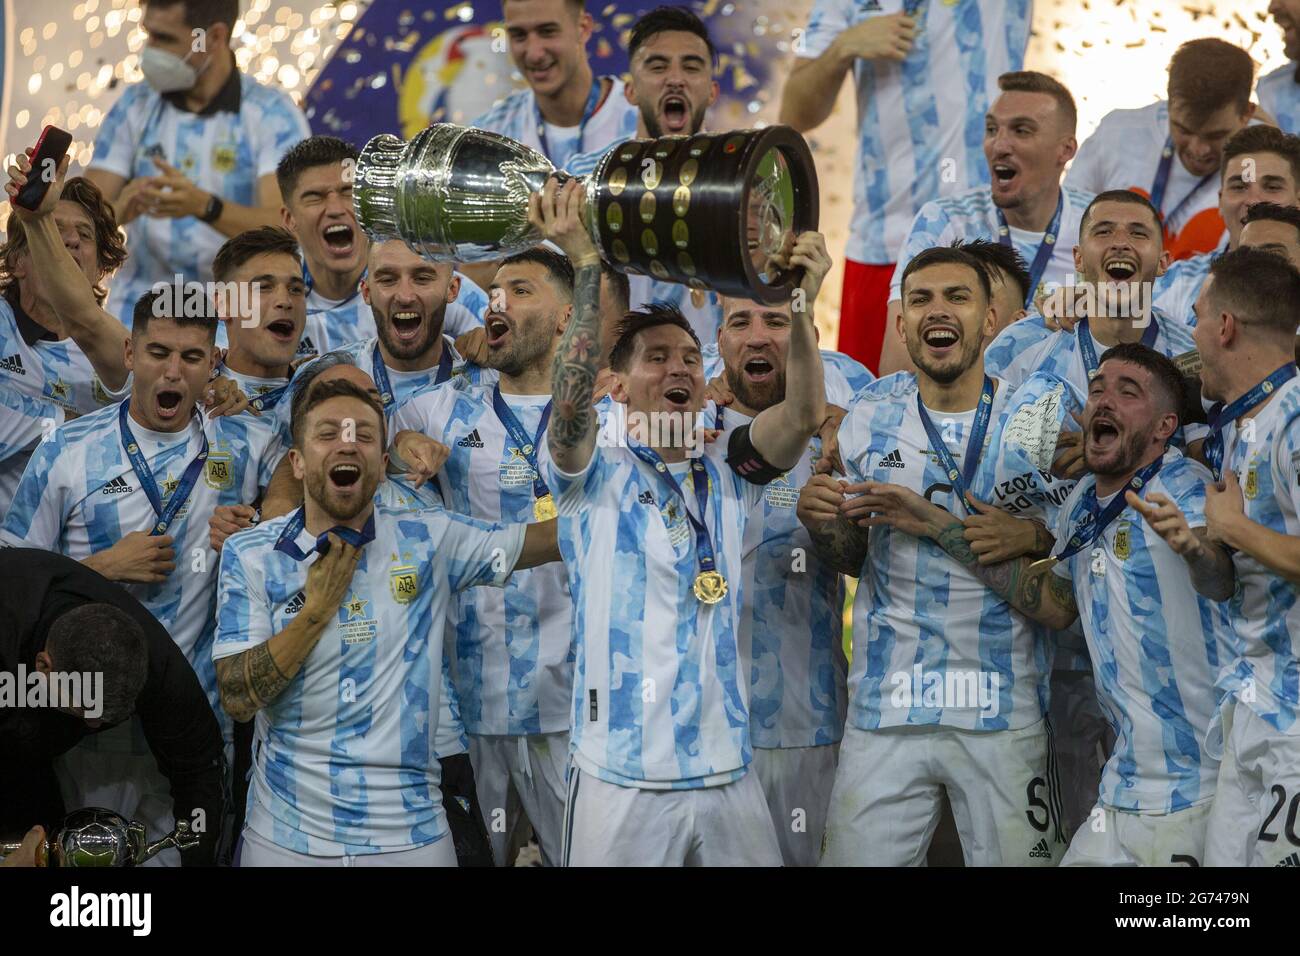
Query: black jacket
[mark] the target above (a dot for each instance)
(36, 587)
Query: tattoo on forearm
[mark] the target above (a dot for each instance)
(577, 362)
(249, 681)
(841, 544)
(1016, 581)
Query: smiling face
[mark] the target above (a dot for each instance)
(753, 342)
(1253, 178)
(671, 83)
(342, 458)
(1121, 242)
(524, 314)
(268, 332)
(409, 297)
(1126, 416)
(548, 40)
(77, 230)
(1199, 140)
(320, 214)
(945, 318)
(170, 365)
(1027, 145)
(664, 374)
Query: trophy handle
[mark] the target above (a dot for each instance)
(9, 848)
(182, 838)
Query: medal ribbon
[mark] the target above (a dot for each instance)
(1045, 248)
(141, 468)
(521, 439)
(1161, 183)
(700, 476)
(1220, 416)
(379, 372)
(961, 478)
(593, 99)
(1084, 335)
(287, 542)
(1090, 529)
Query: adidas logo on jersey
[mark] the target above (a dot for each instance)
(892, 460)
(118, 486)
(306, 346)
(471, 440)
(13, 363)
(1041, 851)
(296, 605)
(1292, 860)
(646, 497)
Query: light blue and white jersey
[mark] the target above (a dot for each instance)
(932, 645)
(344, 758)
(1279, 94)
(843, 376)
(1265, 612)
(511, 648)
(224, 152)
(659, 692)
(1156, 645)
(791, 617)
(80, 495)
(517, 117)
(24, 421)
(1176, 291)
(55, 375)
(921, 120)
(972, 215)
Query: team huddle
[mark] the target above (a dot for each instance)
(394, 562)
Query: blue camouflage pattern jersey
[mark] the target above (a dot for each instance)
(972, 215)
(1279, 94)
(80, 496)
(791, 618)
(224, 153)
(924, 627)
(517, 117)
(42, 380)
(920, 121)
(344, 758)
(511, 648)
(1265, 674)
(1157, 645)
(659, 691)
(1176, 291)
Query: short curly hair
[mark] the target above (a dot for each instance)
(109, 241)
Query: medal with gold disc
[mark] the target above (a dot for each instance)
(526, 445)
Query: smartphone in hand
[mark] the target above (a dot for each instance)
(50, 150)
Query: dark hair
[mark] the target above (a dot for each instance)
(942, 255)
(109, 242)
(1262, 139)
(1209, 74)
(322, 392)
(203, 13)
(559, 271)
(102, 639)
(1005, 259)
(1163, 371)
(1125, 196)
(308, 373)
(1260, 288)
(308, 154)
(236, 251)
(157, 304)
(618, 284)
(1029, 81)
(668, 20)
(1272, 212)
(634, 323)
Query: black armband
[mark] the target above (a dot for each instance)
(745, 460)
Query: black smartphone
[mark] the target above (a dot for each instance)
(50, 150)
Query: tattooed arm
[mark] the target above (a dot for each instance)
(250, 680)
(837, 541)
(571, 434)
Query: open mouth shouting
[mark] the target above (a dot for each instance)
(678, 398)
(407, 326)
(1103, 436)
(344, 478)
(168, 404)
(283, 330)
(498, 329)
(1120, 268)
(340, 239)
(1005, 175)
(675, 114)
(759, 370)
(941, 339)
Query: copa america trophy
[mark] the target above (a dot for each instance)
(95, 837)
(709, 211)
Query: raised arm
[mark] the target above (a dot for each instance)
(780, 433)
(571, 434)
(1208, 562)
(1226, 522)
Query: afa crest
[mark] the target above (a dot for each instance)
(218, 474)
(1123, 544)
(1251, 488)
(224, 157)
(404, 581)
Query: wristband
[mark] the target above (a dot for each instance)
(213, 210)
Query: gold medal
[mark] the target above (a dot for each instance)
(710, 587)
(1043, 564)
(544, 508)
(697, 298)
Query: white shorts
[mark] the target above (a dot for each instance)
(1082, 739)
(1126, 838)
(256, 850)
(797, 783)
(1256, 815)
(610, 825)
(518, 777)
(889, 787)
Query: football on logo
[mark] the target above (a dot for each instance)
(455, 77)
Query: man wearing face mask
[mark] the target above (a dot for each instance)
(188, 157)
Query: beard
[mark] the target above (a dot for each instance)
(756, 396)
(654, 130)
(523, 354)
(949, 372)
(401, 350)
(318, 487)
(1125, 460)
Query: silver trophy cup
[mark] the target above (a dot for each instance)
(95, 837)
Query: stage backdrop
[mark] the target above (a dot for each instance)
(360, 68)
